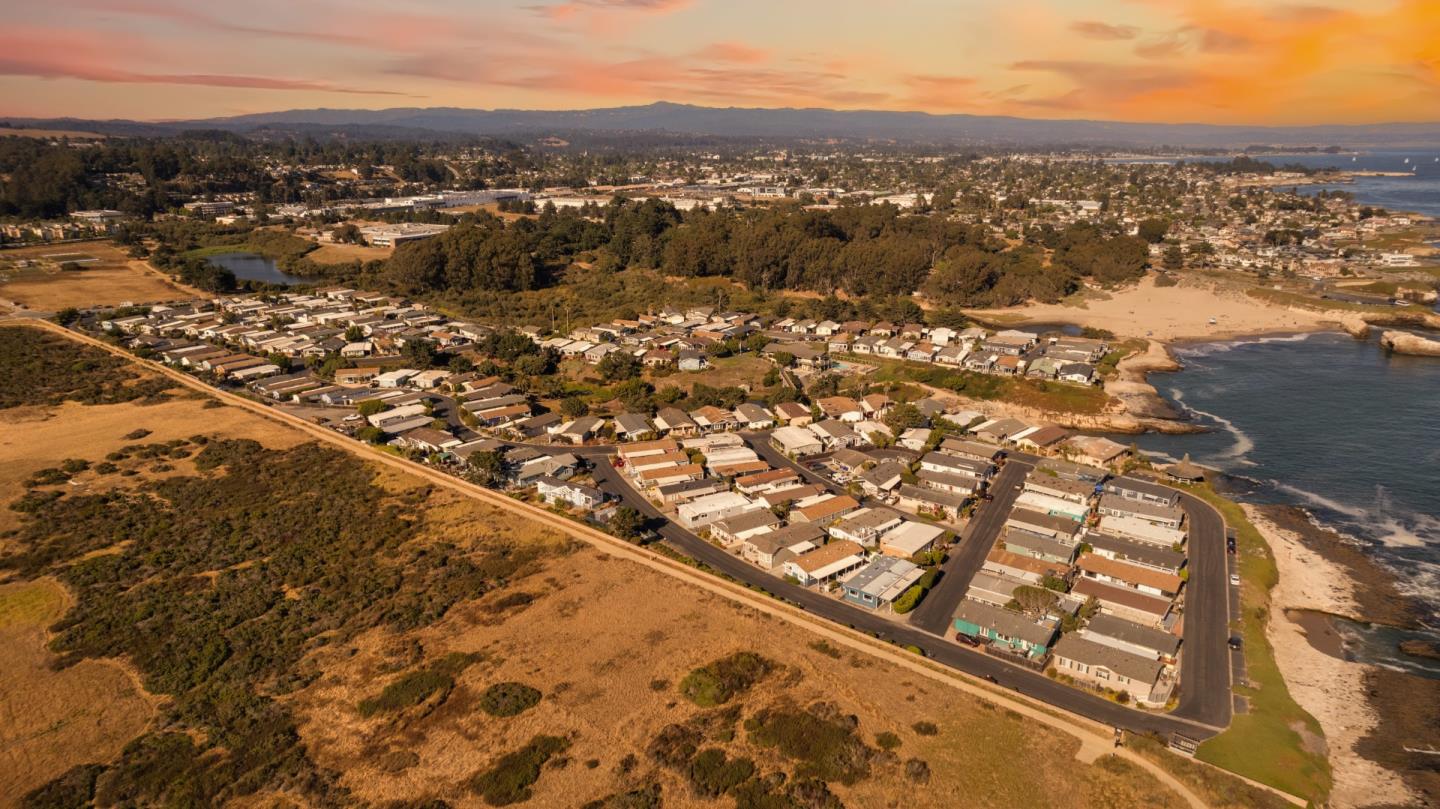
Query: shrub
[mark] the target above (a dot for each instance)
(886, 740)
(510, 778)
(412, 689)
(48, 477)
(508, 699)
(716, 683)
(924, 728)
(711, 775)
(819, 738)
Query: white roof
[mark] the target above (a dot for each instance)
(912, 537)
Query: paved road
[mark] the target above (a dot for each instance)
(943, 651)
(935, 612)
(1205, 664)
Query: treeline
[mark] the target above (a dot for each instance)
(859, 250)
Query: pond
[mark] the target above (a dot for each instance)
(255, 267)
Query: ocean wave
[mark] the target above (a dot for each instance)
(1222, 346)
(1238, 450)
(1355, 512)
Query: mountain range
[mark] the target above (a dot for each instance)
(741, 122)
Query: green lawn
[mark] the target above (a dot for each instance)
(1266, 743)
(1054, 397)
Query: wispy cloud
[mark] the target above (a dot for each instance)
(1104, 31)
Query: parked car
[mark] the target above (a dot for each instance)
(966, 639)
(1234, 642)
(1234, 579)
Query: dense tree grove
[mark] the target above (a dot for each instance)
(861, 250)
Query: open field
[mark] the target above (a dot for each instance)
(6, 132)
(340, 253)
(1179, 312)
(52, 720)
(113, 279)
(605, 638)
(606, 642)
(35, 438)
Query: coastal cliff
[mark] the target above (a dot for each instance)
(1141, 400)
(1402, 342)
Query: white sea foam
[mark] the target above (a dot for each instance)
(1355, 512)
(1222, 346)
(1237, 451)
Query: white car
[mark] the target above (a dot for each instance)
(1234, 579)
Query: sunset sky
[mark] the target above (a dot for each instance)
(1342, 61)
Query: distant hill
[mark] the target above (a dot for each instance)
(782, 123)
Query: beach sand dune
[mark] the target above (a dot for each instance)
(1181, 312)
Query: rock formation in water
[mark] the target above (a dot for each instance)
(1402, 342)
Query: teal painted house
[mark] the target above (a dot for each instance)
(1004, 628)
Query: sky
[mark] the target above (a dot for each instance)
(1227, 61)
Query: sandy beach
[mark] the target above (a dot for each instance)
(1181, 312)
(1331, 689)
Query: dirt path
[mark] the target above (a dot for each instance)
(1095, 739)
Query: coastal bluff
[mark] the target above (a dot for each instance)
(1402, 342)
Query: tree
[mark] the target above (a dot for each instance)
(756, 341)
(486, 469)
(618, 365)
(371, 435)
(627, 523)
(419, 353)
(636, 395)
(1034, 601)
(347, 233)
(574, 407)
(67, 315)
(1153, 230)
(903, 417)
(354, 334)
(370, 407)
(1174, 257)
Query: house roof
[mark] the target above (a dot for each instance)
(1025, 516)
(932, 496)
(1123, 596)
(1133, 574)
(826, 555)
(1010, 624)
(828, 508)
(885, 578)
(1141, 552)
(748, 521)
(786, 537)
(1133, 666)
(1113, 626)
(1029, 564)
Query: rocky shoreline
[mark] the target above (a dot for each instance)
(1374, 717)
(1403, 342)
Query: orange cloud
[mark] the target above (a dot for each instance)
(45, 54)
(732, 52)
(1104, 31)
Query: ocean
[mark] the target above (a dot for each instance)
(1417, 193)
(1334, 425)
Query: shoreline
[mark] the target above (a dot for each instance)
(1370, 713)
(1330, 688)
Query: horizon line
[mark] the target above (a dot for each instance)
(664, 102)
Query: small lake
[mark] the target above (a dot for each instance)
(255, 267)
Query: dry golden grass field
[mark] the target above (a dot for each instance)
(112, 280)
(340, 253)
(51, 720)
